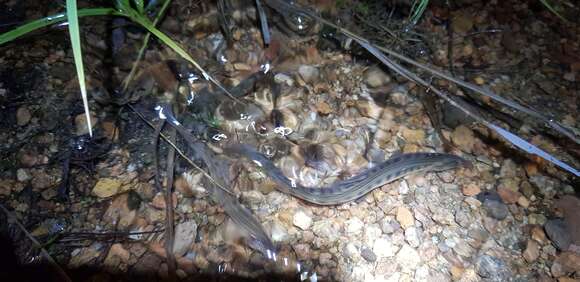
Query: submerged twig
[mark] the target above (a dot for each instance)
(550, 122)
(144, 46)
(169, 235)
(169, 216)
(450, 41)
(282, 7)
(460, 104)
(79, 236)
(224, 20)
(37, 245)
(147, 24)
(379, 27)
(263, 23)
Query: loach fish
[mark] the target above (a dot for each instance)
(357, 186)
(339, 192)
(218, 168)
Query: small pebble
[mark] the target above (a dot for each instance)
(302, 220)
(412, 236)
(532, 251)
(405, 217)
(568, 262)
(284, 78)
(408, 258)
(471, 189)
(302, 251)
(536, 218)
(278, 232)
(479, 80)
(463, 137)
(158, 201)
(354, 225)
(383, 248)
(415, 136)
(523, 202)
(462, 23)
(492, 268)
(81, 124)
(106, 187)
(557, 231)
(537, 234)
(308, 73)
(185, 234)
(375, 77)
(323, 108)
(456, 272)
(496, 209)
(388, 226)
(23, 116)
(508, 169)
(508, 196)
(242, 67)
(368, 254)
(22, 175)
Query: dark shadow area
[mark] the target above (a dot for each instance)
(19, 261)
(12, 270)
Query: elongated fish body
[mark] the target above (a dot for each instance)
(356, 186)
(218, 168)
(340, 192)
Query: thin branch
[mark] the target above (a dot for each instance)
(169, 215)
(181, 153)
(283, 7)
(144, 46)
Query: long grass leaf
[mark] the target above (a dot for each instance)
(144, 46)
(75, 38)
(140, 6)
(417, 10)
(526, 146)
(123, 5)
(553, 10)
(180, 51)
(50, 20)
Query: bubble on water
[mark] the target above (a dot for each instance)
(222, 267)
(160, 113)
(223, 59)
(299, 22)
(265, 68)
(283, 131)
(219, 137)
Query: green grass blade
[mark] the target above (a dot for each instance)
(417, 10)
(50, 20)
(75, 38)
(140, 5)
(123, 5)
(552, 9)
(144, 46)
